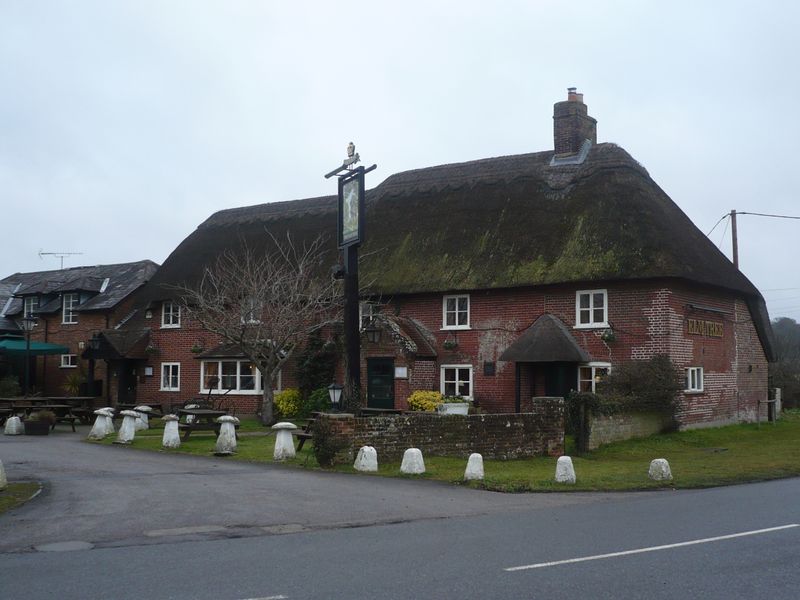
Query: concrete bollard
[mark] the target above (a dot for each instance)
(14, 426)
(659, 470)
(474, 471)
(284, 444)
(171, 437)
(565, 472)
(127, 430)
(110, 410)
(143, 422)
(100, 428)
(3, 480)
(367, 460)
(413, 463)
(226, 441)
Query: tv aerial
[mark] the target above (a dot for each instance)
(60, 255)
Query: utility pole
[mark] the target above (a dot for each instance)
(734, 240)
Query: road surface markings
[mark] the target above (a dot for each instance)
(270, 598)
(651, 549)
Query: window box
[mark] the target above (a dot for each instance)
(453, 408)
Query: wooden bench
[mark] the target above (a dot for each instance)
(188, 428)
(305, 433)
(65, 419)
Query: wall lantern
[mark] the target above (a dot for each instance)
(335, 393)
(94, 342)
(373, 333)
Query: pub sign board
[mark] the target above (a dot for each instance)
(351, 208)
(704, 328)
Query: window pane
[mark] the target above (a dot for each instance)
(451, 319)
(598, 315)
(584, 300)
(451, 305)
(450, 374)
(229, 375)
(449, 389)
(462, 303)
(462, 318)
(598, 301)
(210, 371)
(585, 317)
(247, 379)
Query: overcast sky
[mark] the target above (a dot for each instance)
(123, 125)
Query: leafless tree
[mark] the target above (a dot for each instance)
(265, 303)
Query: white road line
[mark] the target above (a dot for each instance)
(651, 549)
(270, 598)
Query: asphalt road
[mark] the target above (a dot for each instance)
(272, 532)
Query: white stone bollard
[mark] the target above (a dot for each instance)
(109, 411)
(284, 444)
(143, 422)
(659, 470)
(474, 470)
(14, 426)
(3, 480)
(413, 463)
(100, 428)
(226, 441)
(127, 430)
(565, 472)
(171, 437)
(367, 460)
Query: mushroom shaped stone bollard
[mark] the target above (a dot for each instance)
(128, 428)
(366, 460)
(3, 480)
(109, 410)
(565, 472)
(14, 426)
(284, 445)
(100, 427)
(413, 463)
(659, 470)
(474, 471)
(143, 422)
(226, 441)
(171, 437)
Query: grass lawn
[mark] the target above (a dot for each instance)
(16, 494)
(698, 458)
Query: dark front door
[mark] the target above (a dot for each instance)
(560, 379)
(380, 383)
(126, 375)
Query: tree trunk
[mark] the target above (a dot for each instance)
(267, 403)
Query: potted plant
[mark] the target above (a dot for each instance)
(453, 405)
(39, 423)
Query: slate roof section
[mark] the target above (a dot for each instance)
(547, 340)
(505, 222)
(7, 324)
(123, 279)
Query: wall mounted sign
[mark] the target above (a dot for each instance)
(401, 372)
(704, 328)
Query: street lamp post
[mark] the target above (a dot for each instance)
(28, 322)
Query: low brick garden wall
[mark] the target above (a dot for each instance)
(495, 436)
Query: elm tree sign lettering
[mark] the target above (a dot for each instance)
(704, 328)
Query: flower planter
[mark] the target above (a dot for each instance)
(453, 408)
(36, 427)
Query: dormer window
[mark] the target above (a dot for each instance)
(31, 305)
(366, 312)
(69, 303)
(170, 315)
(455, 312)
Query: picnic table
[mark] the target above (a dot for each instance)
(204, 420)
(82, 406)
(63, 414)
(306, 433)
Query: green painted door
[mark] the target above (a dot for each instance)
(380, 383)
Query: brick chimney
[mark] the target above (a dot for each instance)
(572, 124)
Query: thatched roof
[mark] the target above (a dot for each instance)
(547, 340)
(502, 222)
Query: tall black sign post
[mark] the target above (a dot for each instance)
(350, 235)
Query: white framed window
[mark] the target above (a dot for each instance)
(238, 376)
(455, 312)
(590, 374)
(366, 311)
(31, 305)
(456, 380)
(694, 379)
(170, 377)
(170, 315)
(69, 361)
(68, 304)
(591, 308)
